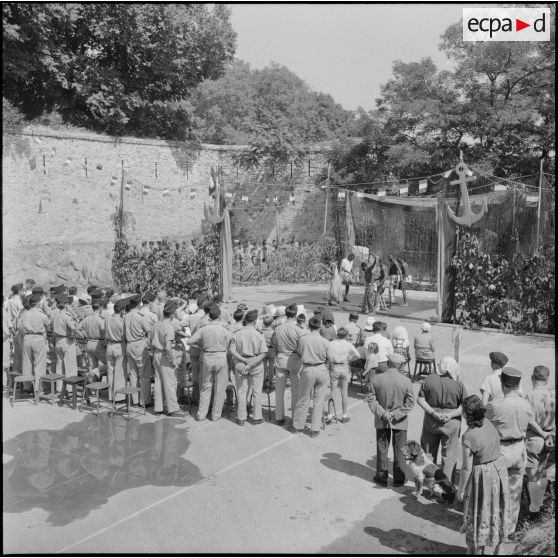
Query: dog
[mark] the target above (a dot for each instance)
(427, 474)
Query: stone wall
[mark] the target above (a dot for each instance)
(61, 194)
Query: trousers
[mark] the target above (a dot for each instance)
(312, 378)
(368, 300)
(96, 353)
(195, 366)
(116, 371)
(515, 457)
(165, 381)
(446, 434)
(139, 368)
(339, 376)
(383, 438)
(66, 359)
(214, 374)
(281, 374)
(253, 380)
(34, 355)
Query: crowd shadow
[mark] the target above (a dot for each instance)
(432, 510)
(335, 462)
(409, 543)
(75, 470)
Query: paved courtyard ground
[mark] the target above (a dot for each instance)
(75, 483)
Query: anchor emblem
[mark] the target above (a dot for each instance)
(468, 219)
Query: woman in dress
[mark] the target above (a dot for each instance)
(335, 290)
(483, 486)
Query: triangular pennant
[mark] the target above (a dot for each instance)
(53, 152)
(275, 199)
(423, 185)
(469, 172)
(99, 167)
(341, 195)
(292, 199)
(193, 193)
(165, 192)
(500, 187)
(244, 198)
(447, 174)
(146, 190)
(33, 162)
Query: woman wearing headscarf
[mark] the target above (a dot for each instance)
(483, 483)
(441, 396)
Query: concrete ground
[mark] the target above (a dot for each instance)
(75, 483)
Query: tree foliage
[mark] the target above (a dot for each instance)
(118, 68)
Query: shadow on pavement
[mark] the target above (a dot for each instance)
(441, 514)
(336, 463)
(409, 543)
(75, 470)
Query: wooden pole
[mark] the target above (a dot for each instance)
(539, 204)
(121, 211)
(327, 199)
(276, 227)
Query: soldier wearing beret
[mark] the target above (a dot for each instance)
(213, 340)
(136, 330)
(511, 416)
(34, 326)
(93, 328)
(249, 350)
(115, 349)
(64, 331)
(161, 342)
(491, 389)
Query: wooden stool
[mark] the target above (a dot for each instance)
(51, 379)
(189, 387)
(359, 373)
(330, 403)
(20, 380)
(76, 382)
(11, 377)
(128, 391)
(95, 386)
(425, 366)
(231, 406)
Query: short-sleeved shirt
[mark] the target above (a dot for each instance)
(483, 441)
(34, 321)
(543, 402)
(249, 342)
(328, 332)
(136, 327)
(114, 328)
(312, 348)
(148, 314)
(363, 335)
(63, 325)
(510, 416)
(384, 345)
(285, 341)
(162, 333)
(340, 350)
(443, 392)
(93, 326)
(353, 330)
(14, 306)
(493, 386)
(83, 311)
(212, 338)
(233, 328)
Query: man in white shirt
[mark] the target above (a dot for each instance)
(491, 388)
(384, 345)
(347, 274)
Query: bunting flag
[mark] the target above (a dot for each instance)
(99, 167)
(500, 187)
(381, 192)
(38, 140)
(68, 161)
(292, 199)
(33, 162)
(146, 190)
(228, 194)
(532, 201)
(403, 189)
(360, 195)
(423, 185)
(244, 198)
(129, 184)
(447, 174)
(53, 152)
(341, 195)
(193, 192)
(40, 206)
(166, 192)
(267, 199)
(275, 199)
(113, 180)
(469, 172)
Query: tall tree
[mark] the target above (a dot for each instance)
(120, 68)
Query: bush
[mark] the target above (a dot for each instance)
(494, 292)
(165, 265)
(12, 117)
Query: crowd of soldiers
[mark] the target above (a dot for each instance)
(170, 346)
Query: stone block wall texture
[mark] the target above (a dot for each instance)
(61, 195)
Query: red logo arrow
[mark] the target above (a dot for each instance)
(519, 25)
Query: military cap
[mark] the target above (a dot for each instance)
(119, 305)
(170, 307)
(498, 358)
(214, 311)
(96, 293)
(510, 377)
(91, 288)
(353, 316)
(396, 358)
(37, 290)
(135, 298)
(149, 297)
(62, 299)
(34, 299)
(251, 316)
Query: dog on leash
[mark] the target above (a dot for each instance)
(427, 474)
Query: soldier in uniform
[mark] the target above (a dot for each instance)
(115, 349)
(34, 325)
(238, 317)
(161, 341)
(353, 331)
(160, 304)
(136, 329)
(511, 416)
(93, 327)
(148, 310)
(249, 350)
(84, 306)
(194, 322)
(287, 361)
(64, 331)
(314, 376)
(213, 339)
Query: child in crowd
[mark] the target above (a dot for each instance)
(400, 342)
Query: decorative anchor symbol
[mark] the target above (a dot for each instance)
(468, 219)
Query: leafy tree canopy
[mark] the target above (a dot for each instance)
(115, 67)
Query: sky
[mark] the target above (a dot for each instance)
(344, 50)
